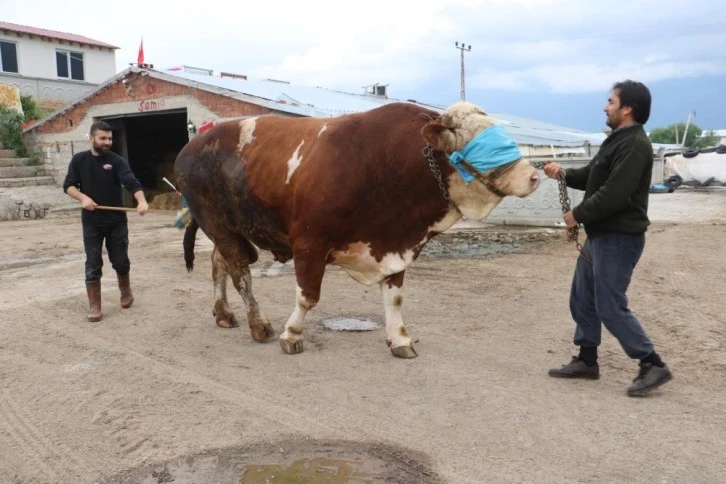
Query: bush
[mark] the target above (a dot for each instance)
(31, 111)
(11, 133)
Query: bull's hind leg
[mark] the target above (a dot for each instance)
(223, 315)
(309, 271)
(397, 335)
(237, 259)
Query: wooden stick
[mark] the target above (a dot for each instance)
(116, 209)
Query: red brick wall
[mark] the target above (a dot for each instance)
(142, 88)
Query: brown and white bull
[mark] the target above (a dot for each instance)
(357, 191)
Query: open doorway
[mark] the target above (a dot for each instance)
(151, 143)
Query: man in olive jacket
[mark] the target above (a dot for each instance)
(614, 213)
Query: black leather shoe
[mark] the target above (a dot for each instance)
(649, 378)
(576, 369)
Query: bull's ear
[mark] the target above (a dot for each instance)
(439, 136)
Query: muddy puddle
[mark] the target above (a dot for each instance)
(10, 263)
(295, 462)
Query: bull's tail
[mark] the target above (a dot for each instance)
(190, 236)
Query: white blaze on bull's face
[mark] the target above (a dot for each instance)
(246, 133)
(294, 162)
(520, 181)
(322, 130)
(463, 122)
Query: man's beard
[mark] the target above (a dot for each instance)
(101, 149)
(611, 122)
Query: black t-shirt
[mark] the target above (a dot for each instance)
(101, 178)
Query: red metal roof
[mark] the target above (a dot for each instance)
(53, 34)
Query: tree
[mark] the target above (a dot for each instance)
(694, 139)
(707, 139)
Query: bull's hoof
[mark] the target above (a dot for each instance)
(291, 347)
(226, 321)
(262, 333)
(404, 352)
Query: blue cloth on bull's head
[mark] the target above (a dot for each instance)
(490, 149)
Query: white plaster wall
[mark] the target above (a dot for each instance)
(36, 59)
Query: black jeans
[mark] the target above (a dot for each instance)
(117, 246)
(598, 293)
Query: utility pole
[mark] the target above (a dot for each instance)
(463, 47)
(688, 122)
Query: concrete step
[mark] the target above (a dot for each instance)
(7, 154)
(20, 171)
(13, 161)
(26, 182)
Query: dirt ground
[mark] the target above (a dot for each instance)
(158, 393)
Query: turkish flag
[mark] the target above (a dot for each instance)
(140, 59)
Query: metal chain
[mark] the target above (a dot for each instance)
(428, 152)
(573, 233)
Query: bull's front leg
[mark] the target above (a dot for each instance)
(396, 333)
(309, 271)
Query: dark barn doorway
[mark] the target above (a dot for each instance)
(151, 143)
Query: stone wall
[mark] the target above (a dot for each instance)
(543, 207)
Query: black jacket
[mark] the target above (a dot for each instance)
(616, 183)
(101, 178)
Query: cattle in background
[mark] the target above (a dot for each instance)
(363, 191)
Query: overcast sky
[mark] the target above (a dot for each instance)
(552, 60)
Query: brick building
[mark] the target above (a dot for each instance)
(154, 113)
(149, 113)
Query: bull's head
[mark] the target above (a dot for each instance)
(510, 173)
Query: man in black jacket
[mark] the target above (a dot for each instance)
(614, 212)
(95, 178)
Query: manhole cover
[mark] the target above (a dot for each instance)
(291, 463)
(349, 324)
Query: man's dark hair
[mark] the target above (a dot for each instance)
(99, 126)
(636, 95)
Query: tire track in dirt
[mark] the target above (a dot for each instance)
(120, 422)
(155, 357)
(283, 416)
(165, 355)
(53, 459)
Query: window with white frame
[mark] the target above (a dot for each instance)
(69, 64)
(8, 57)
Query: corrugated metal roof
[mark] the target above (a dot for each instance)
(303, 100)
(53, 34)
(538, 133)
(315, 99)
